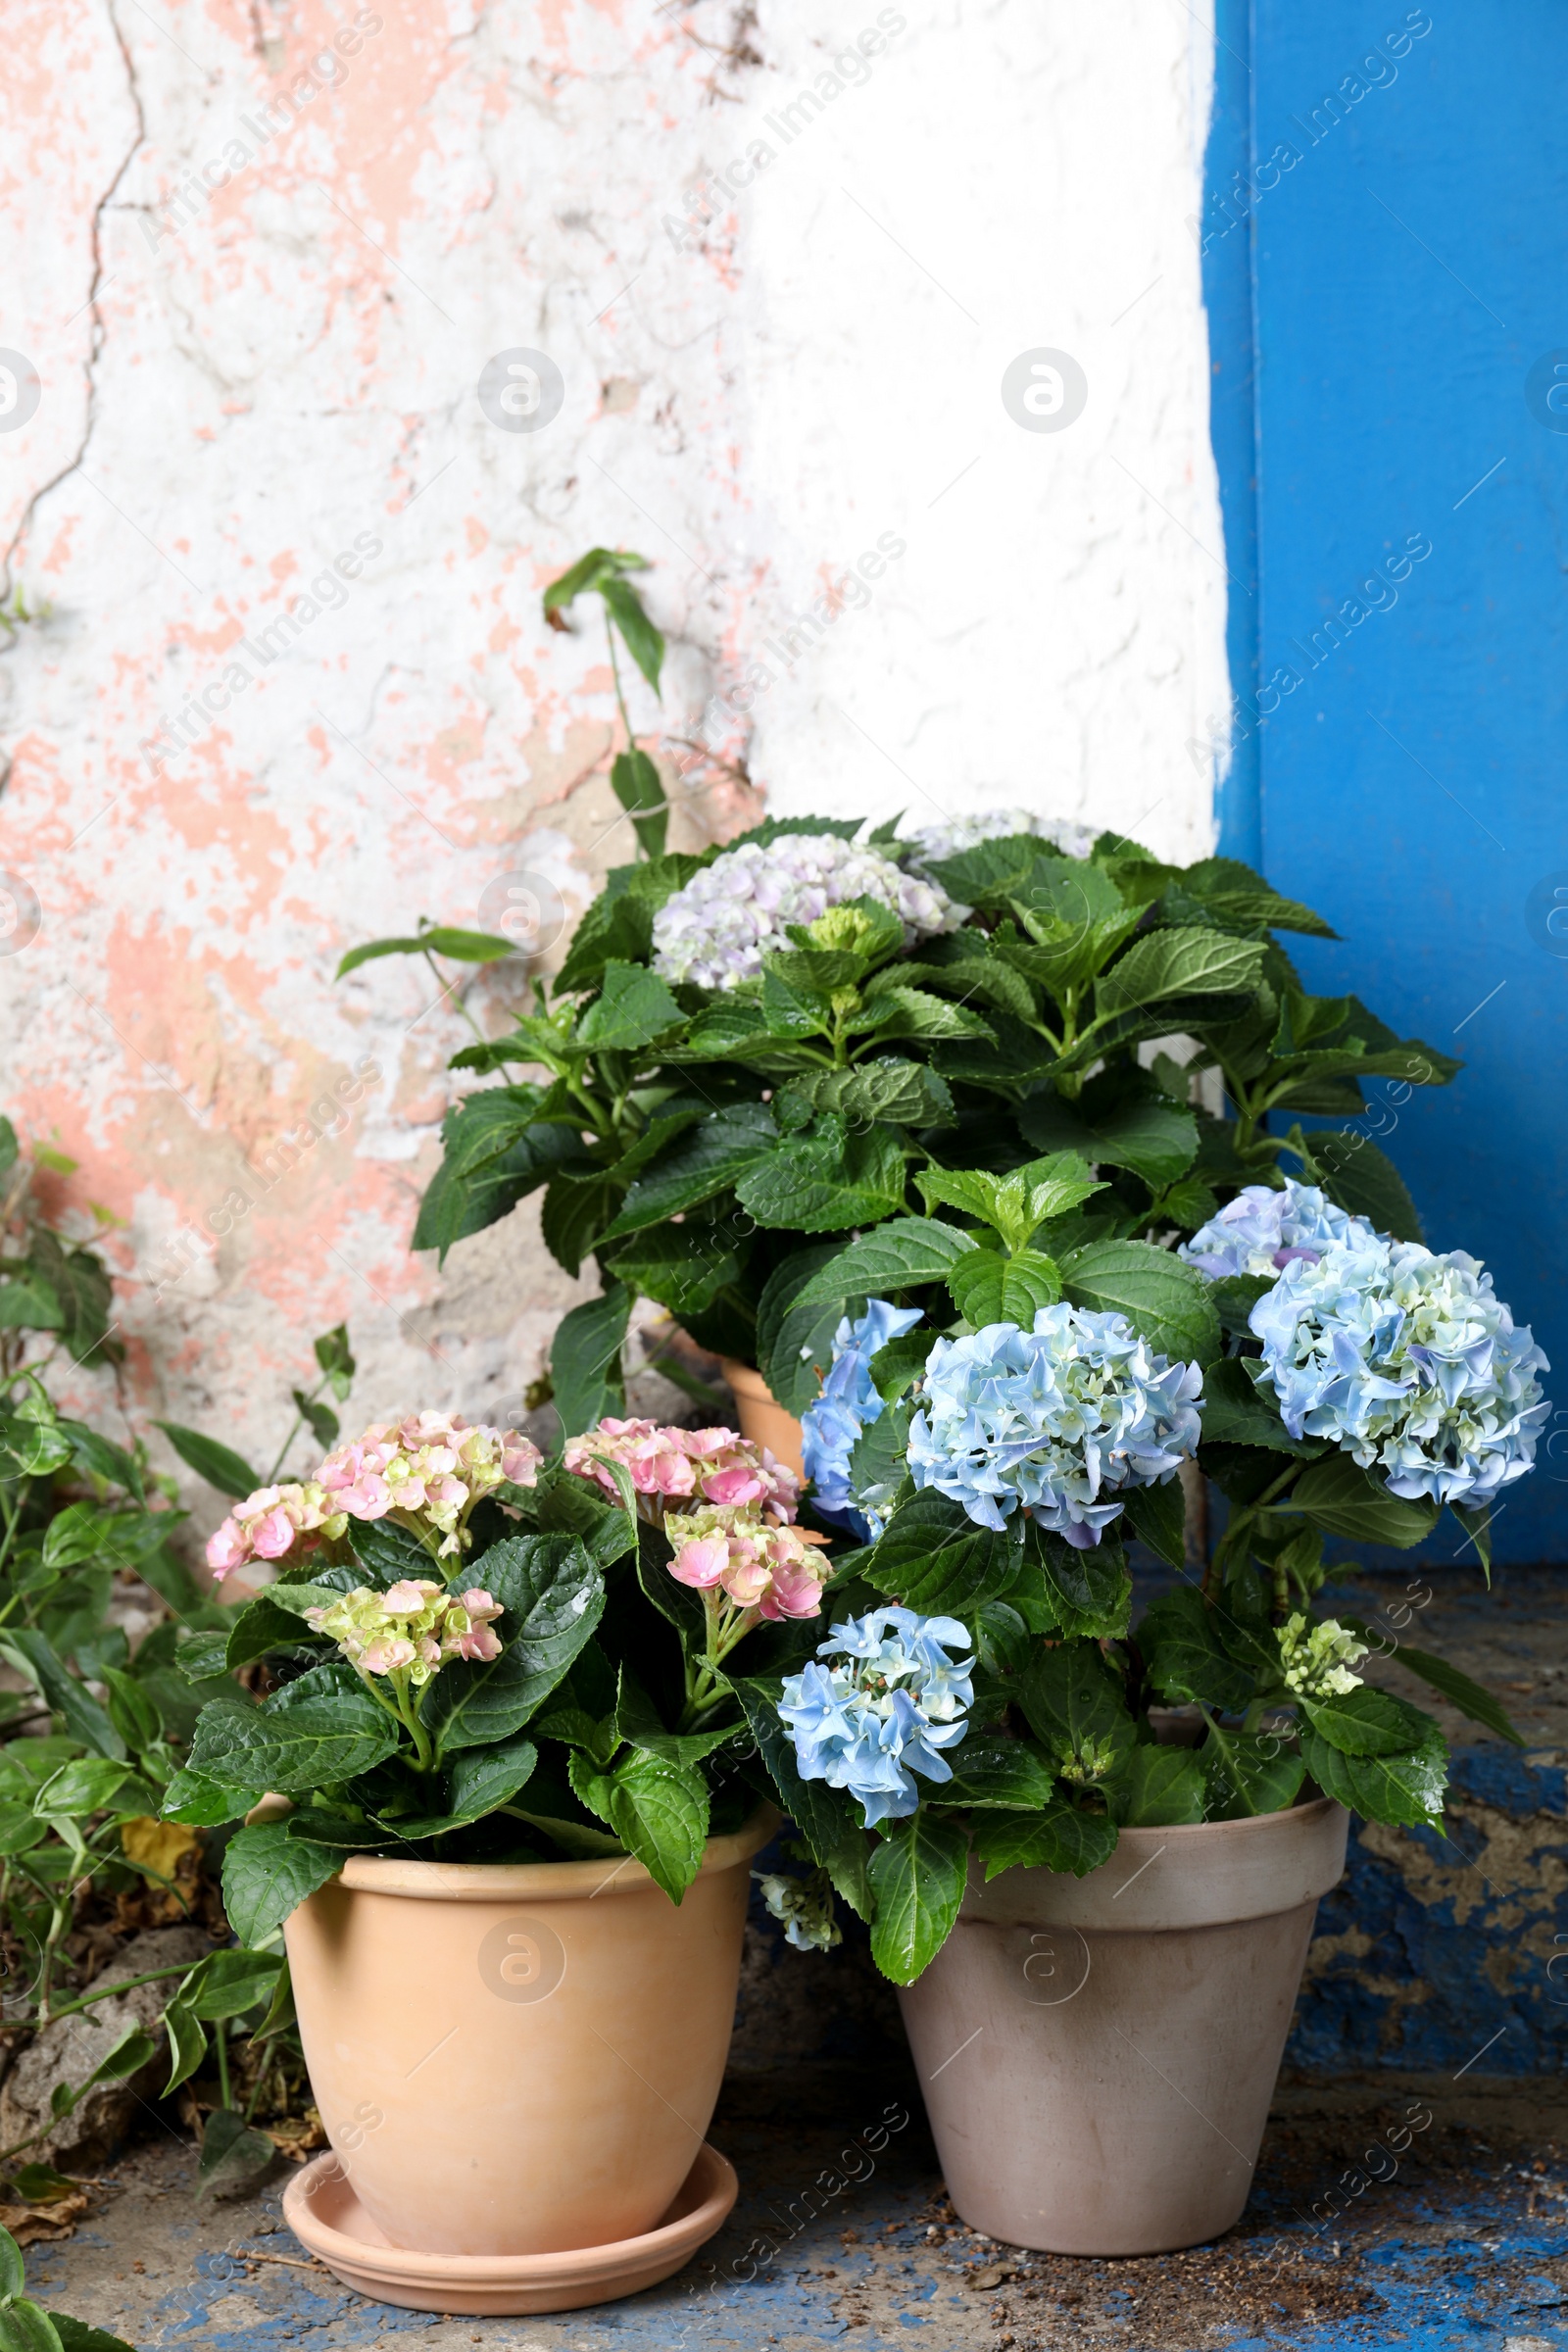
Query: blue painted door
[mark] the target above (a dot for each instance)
(1394, 463)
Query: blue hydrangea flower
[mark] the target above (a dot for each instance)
(885, 1703)
(1407, 1361)
(1262, 1230)
(848, 1401)
(1055, 1422)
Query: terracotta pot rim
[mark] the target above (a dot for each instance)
(545, 1881)
(1221, 1831)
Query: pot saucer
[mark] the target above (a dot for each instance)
(321, 2208)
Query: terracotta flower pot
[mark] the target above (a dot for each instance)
(518, 2059)
(761, 1417)
(1098, 2054)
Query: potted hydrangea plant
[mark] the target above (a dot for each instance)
(1098, 1839)
(498, 1798)
(752, 1054)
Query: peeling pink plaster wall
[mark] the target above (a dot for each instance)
(294, 688)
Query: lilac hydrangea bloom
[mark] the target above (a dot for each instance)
(1406, 1360)
(733, 913)
(848, 1401)
(956, 833)
(1262, 1230)
(886, 1702)
(1056, 1422)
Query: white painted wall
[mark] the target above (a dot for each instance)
(760, 386)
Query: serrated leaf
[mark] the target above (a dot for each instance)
(1090, 1591)
(1164, 1300)
(899, 1362)
(1361, 1178)
(656, 1808)
(795, 1340)
(220, 1465)
(1074, 1705)
(1406, 1790)
(585, 1359)
(1060, 1838)
(987, 1288)
(575, 1210)
(934, 1558)
(907, 1094)
(1247, 1775)
(1344, 1499)
(632, 1009)
(1366, 1722)
(554, 1597)
(999, 1773)
(710, 1159)
(683, 1266)
(809, 1186)
(1183, 1656)
(1157, 1786)
(1151, 1136)
(1157, 1516)
(901, 1255)
(918, 1874)
(828, 1819)
(1460, 1692)
(1236, 1411)
(267, 1875)
(1164, 964)
(310, 1744)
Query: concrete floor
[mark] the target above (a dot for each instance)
(1466, 2245)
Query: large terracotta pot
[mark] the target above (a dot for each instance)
(518, 2059)
(1098, 2054)
(761, 1417)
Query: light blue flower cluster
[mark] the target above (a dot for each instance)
(1406, 1359)
(886, 1704)
(848, 1401)
(1263, 1230)
(1055, 1422)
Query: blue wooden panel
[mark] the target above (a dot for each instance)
(1407, 233)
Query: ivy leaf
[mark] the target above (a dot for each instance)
(1366, 1722)
(1060, 1838)
(901, 1255)
(464, 947)
(585, 1358)
(987, 1288)
(1344, 1499)
(640, 789)
(1163, 1298)
(267, 1875)
(935, 1560)
(1405, 1789)
(642, 641)
(1156, 1786)
(918, 1875)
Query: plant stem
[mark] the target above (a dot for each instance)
(221, 2035)
(175, 1968)
(614, 672)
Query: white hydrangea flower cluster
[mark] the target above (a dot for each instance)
(715, 932)
(1316, 1660)
(956, 833)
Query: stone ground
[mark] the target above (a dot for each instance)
(1464, 2243)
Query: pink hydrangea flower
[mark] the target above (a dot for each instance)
(710, 1466)
(762, 1567)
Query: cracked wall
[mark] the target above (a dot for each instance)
(292, 687)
